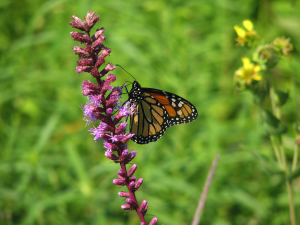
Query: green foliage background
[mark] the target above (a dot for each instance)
(52, 172)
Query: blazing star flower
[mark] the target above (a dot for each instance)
(96, 99)
(248, 72)
(90, 113)
(103, 100)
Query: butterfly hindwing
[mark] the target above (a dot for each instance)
(150, 122)
(156, 111)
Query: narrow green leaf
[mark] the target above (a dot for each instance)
(294, 174)
(272, 125)
(281, 97)
(259, 95)
(268, 163)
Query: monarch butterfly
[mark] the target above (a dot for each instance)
(156, 111)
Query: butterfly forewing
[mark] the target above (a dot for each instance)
(156, 111)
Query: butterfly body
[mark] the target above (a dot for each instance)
(156, 111)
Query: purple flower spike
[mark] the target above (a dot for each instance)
(105, 109)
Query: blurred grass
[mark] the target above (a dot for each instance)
(52, 172)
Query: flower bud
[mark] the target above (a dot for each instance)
(80, 69)
(83, 53)
(111, 156)
(143, 206)
(91, 19)
(95, 72)
(98, 43)
(131, 202)
(126, 138)
(122, 174)
(119, 182)
(131, 185)
(130, 156)
(138, 183)
(85, 62)
(126, 207)
(105, 52)
(153, 221)
(77, 23)
(124, 154)
(121, 128)
(99, 32)
(82, 38)
(123, 194)
(110, 67)
(132, 170)
(109, 111)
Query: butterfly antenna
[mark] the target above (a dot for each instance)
(125, 71)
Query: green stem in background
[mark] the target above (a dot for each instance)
(296, 99)
(295, 157)
(291, 202)
(278, 144)
(276, 112)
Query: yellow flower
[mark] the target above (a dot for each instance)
(245, 37)
(240, 32)
(248, 25)
(249, 71)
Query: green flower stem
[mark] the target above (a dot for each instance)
(291, 202)
(282, 159)
(276, 111)
(296, 99)
(295, 157)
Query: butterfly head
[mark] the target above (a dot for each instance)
(135, 94)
